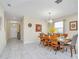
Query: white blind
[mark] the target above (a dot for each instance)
(59, 26)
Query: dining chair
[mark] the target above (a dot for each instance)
(72, 45)
(43, 39)
(54, 43)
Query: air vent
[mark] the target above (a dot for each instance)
(58, 1)
(9, 5)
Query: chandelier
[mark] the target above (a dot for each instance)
(50, 20)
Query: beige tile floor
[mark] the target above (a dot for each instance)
(16, 50)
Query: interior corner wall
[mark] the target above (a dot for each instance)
(29, 34)
(21, 29)
(7, 25)
(2, 30)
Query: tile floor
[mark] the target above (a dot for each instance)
(16, 50)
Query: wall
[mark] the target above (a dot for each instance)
(2, 31)
(21, 29)
(67, 21)
(29, 34)
(73, 17)
(7, 28)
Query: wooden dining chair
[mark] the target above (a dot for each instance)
(54, 43)
(43, 39)
(72, 45)
(40, 36)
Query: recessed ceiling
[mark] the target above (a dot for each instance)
(39, 9)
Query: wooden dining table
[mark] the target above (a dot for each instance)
(52, 40)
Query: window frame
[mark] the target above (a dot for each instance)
(60, 21)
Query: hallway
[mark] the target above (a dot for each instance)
(16, 50)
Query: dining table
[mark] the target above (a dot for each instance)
(53, 40)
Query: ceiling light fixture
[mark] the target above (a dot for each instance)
(50, 19)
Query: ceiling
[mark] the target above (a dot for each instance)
(39, 9)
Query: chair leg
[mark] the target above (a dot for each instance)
(55, 52)
(75, 49)
(62, 50)
(71, 51)
(40, 43)
(66, 49)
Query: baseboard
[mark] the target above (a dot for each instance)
(2, 48)
(28, 42)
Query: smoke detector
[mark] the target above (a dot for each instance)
(9, 5)
(58, 1)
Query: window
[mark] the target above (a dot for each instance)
(59, 26)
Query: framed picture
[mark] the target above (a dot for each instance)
(30, 25)
(73, 25)
(38, 27)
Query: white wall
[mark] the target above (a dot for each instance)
(21, 29)
(67, 21)
(30, 35)
(2, 31)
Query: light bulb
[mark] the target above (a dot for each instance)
(50, 21)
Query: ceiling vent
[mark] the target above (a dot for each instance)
(9, 5)
(58, 1)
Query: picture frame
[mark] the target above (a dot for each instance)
(73, 25)
(38, 27)
(29, 25)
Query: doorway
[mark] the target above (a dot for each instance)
(14, 31)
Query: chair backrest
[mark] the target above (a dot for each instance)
(54, 37)
(74, 39)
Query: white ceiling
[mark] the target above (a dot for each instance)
(39, 9)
